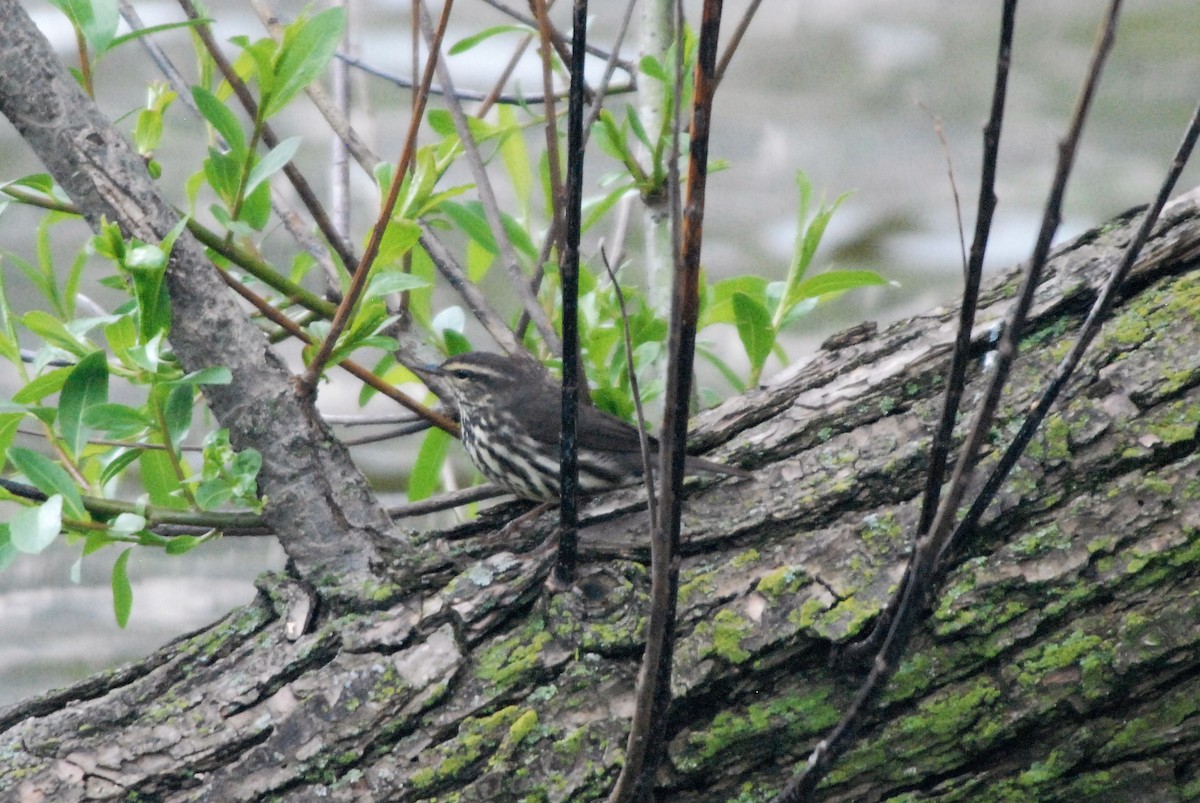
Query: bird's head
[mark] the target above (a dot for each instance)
(476, 378)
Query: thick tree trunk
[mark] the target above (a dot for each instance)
(1061, 660)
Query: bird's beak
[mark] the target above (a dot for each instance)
(426, 370)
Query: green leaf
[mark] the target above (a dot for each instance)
(127, 524)
(214, 375)
(393, 281)
(469, 217)
(117, 420)
(833, 281)
(719, 304)
(223, 170)
(42, 386)
(121, 335)
(651, 66)
(33, 529)
(49, 478)
(54, 332)
(463, 45)
(399, 238)
(754, 328)
(146, 266)
(272, 163)
(456, 342)
(86, 387)
(178, 412)
(121, 589)
(426, 473)
(223, 120)
(159, 479)
(151, 30)
(308, 46)
(9, 423)
(96, 18)
(256, 208)
(515, 156)
(212, 494)
(180, 544)
(118, 462)
(441, 122)
(8, 552)
(635, 125)
(722, 367)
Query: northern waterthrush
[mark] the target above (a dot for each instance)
(510, 414)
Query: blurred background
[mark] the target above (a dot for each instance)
(848, 91)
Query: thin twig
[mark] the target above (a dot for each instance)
(563, 573)
(602, 91)
(939, 449)
(1091, 327)
(359, 281)
(397, 432)
(354, 369)
(735, 38)
(923, 563)
(447, 501)
(648, 730)
(553, 158)
(297, 179)
(559, 44)
(493, 97)
(635, 391)
(491, 209)
(469, 292)
(507, 99)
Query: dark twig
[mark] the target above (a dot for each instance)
(643, 437)
(559, 44)
(939, 449)
(648, 731)
(505, 98)
(439, 420)
(491, 209)
(922, 566)
(602, 91)
(447, 501)
(735, 38)
(1091, 327)
(568, 518)
(470, 293)
(297, 179)
(359, 281)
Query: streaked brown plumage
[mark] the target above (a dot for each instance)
(510, 414)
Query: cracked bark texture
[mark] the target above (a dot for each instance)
(326, 514)
(1060, 661)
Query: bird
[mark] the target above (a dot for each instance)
(510, 421)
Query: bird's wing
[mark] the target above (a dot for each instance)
(596, 429)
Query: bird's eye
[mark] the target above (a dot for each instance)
(462, 373)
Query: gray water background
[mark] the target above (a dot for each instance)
(844, 89)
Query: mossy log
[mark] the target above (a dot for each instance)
(1060, 661)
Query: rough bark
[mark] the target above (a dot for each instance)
(1060, 661)
(327, 515)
